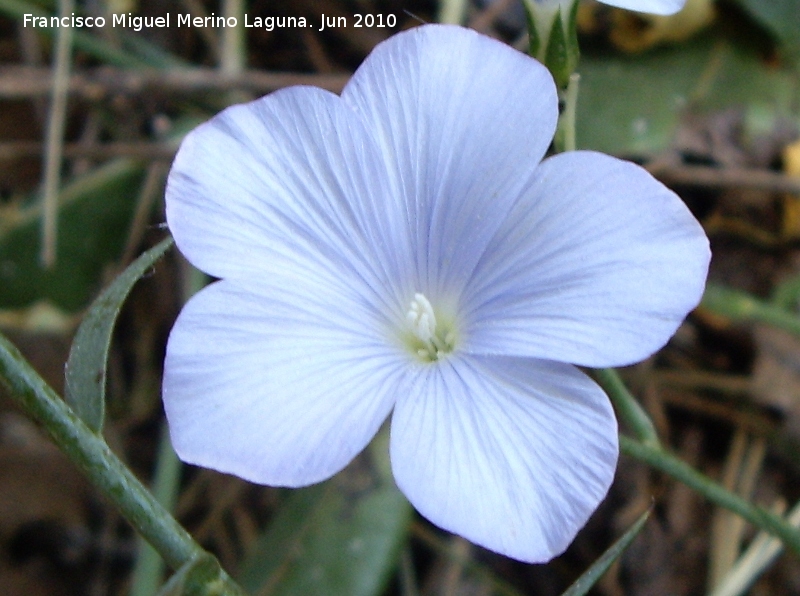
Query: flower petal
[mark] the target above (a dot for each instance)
(597, 266)
(513, 454)
(274, 387)
(649, 6)
(462, 120)
(294, 182)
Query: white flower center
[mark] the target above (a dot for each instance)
(430, 340)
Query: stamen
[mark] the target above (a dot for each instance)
(422, 318)
(432, 340)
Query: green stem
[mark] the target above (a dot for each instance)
(92, 455)
(149, 567)
(452, 12)
(234, 46)
(569, 116)
(741, 306)
(629, 409)
(715, 493)
(56, 123)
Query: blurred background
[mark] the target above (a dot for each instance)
(707, 100)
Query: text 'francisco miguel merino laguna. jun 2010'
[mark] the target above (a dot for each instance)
(138, 22)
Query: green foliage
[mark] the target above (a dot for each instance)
(661, 459)
(632, 105)
(88, 357)
(341, 538)
(591, 576)
(96, 211)
(781, 18)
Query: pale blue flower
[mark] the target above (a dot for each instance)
(650, 6)
(402, 249)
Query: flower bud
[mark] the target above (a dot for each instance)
(552, 31)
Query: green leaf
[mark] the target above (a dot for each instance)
(95, 214)
(95, 211)
(780, 17)
(86, 368)
(633, 105)
(340, 538)
(590, 577)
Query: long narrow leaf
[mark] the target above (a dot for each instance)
(86, 368)
(590, 577)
